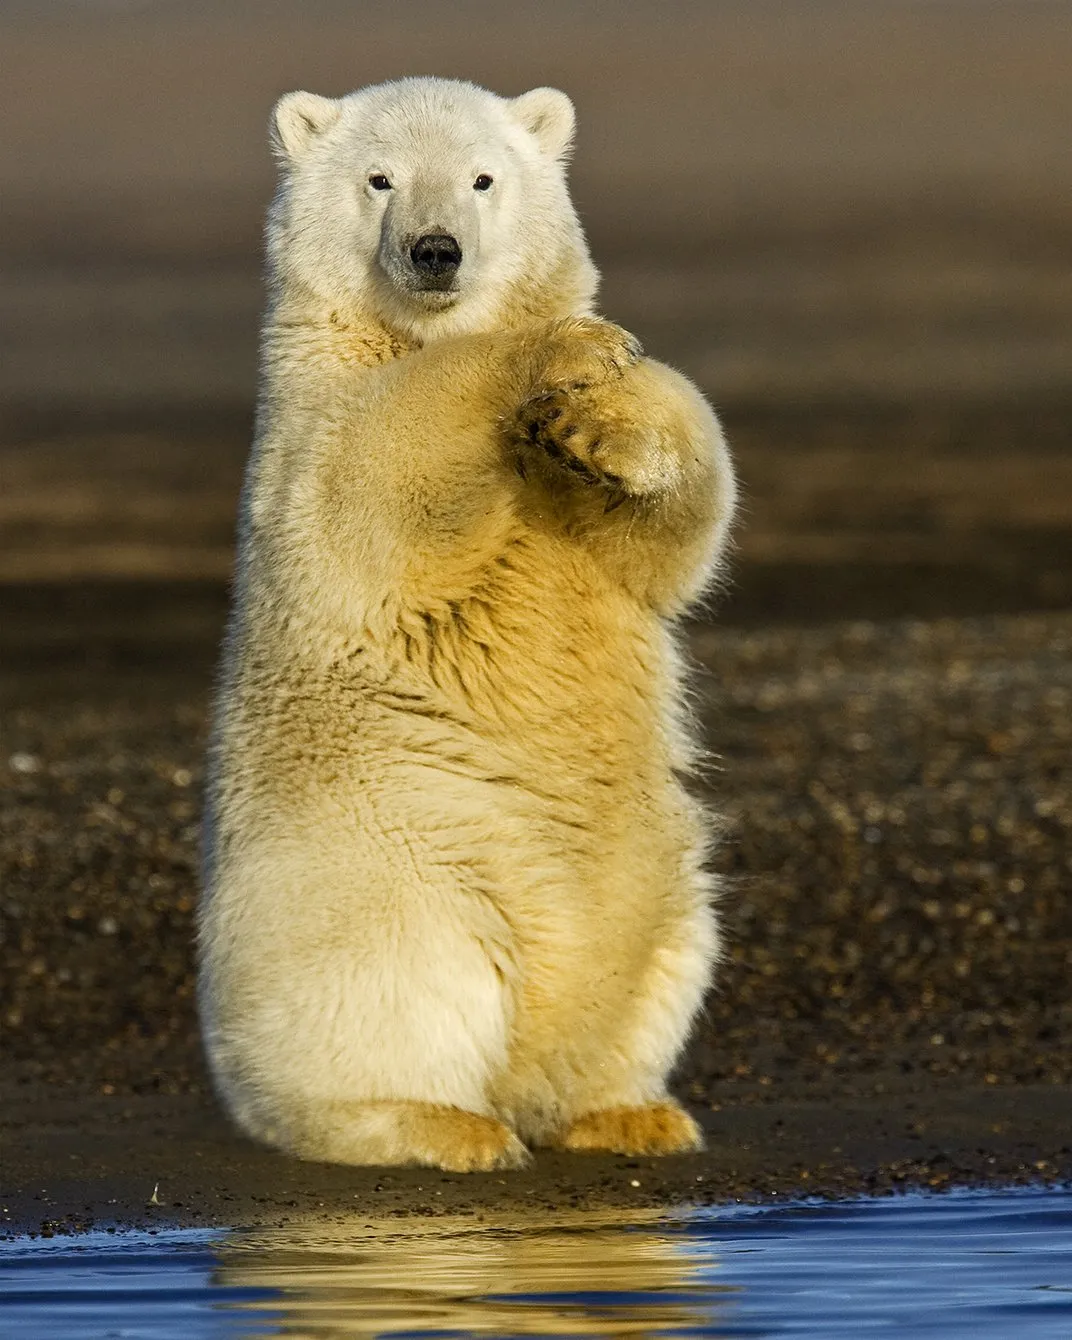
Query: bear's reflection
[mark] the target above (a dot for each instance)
(561, 1276)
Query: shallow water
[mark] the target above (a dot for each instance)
(985, 1265)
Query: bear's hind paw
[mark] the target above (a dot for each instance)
(653, 1129)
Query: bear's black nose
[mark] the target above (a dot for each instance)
(436, 255)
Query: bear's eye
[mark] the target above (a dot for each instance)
(379, 182)
(482, 183)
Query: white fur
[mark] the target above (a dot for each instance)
(334, 235)
(454, 888)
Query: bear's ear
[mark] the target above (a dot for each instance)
(547, 114)
(297, 118)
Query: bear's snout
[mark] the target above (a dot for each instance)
(436, 257)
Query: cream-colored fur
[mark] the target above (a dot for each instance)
(454, 891)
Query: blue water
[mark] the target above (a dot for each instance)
(990, 1266)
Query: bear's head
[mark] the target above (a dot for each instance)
(430, 206)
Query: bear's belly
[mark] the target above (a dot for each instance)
(514, 750)
(526, 720)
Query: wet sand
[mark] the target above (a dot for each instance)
(91, 1162)
(873, 289)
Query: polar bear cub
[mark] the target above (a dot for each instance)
(454, 898)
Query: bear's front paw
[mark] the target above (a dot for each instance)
(583, 351)
(582, 431)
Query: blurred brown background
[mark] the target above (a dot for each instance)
(851, 222)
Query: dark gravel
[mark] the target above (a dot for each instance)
(899, 859)
(898, 862)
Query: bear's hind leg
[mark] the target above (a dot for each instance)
(624, 1107)
(429, 1135)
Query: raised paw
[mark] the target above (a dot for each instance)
(591, 432)
(582, 351)
(552, 422)
(654, 1129)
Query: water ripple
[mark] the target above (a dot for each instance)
(988, 1266)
